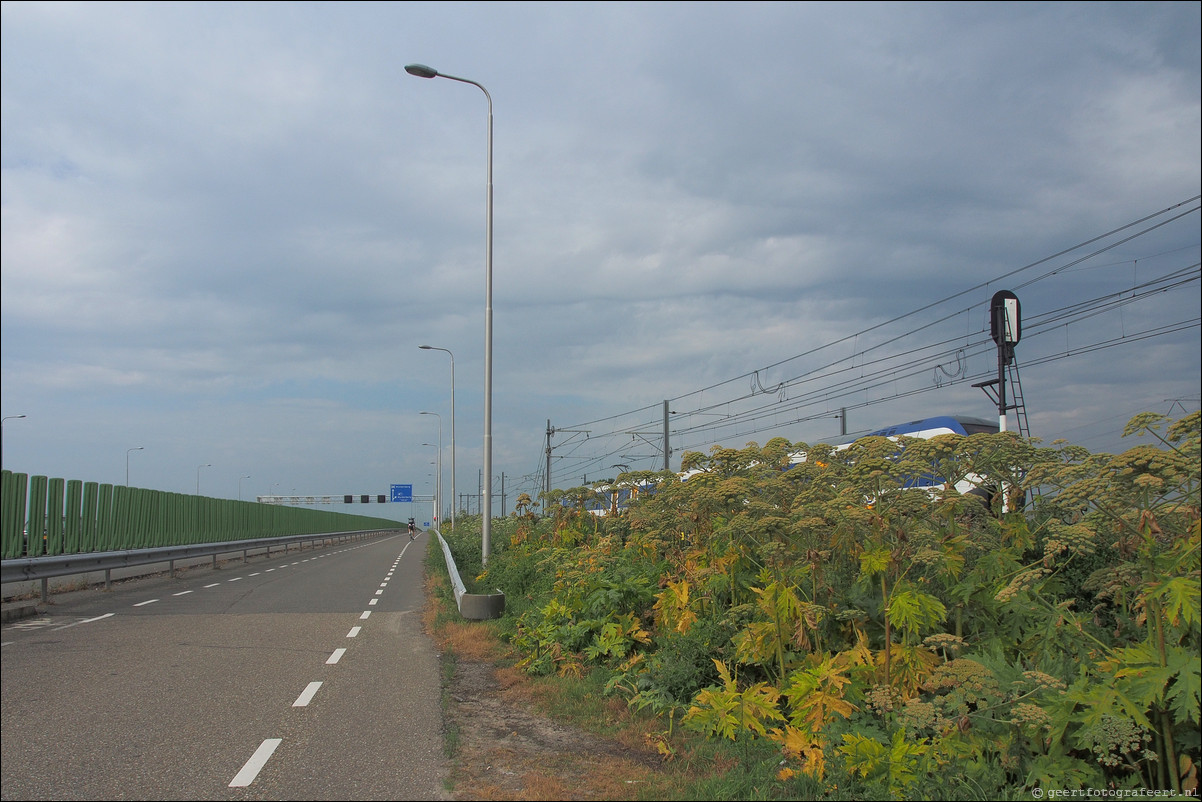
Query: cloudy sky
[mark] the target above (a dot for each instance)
(227, 228)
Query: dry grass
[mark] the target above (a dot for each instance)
(512, 745)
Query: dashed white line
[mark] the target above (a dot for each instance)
(182, 593)
(366, 613)
(212, 585)
(84, 621)
(335, 657)
(379, 592)
(143, 604)
(373, 601)
(253, 766)
(307, 695)
(354, 633)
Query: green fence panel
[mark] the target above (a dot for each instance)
(142, 508)
(14, 488)
(54, 516)
(87, 515)
(37, 516)
(72, 522)
(105, 529)
(119, 518)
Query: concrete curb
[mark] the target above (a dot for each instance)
(17, 611)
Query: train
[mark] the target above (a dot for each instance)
(612, 499)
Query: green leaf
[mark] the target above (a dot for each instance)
(1184, 695)
(874, 562)
(914, 611)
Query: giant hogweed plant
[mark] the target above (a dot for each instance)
(899, 636)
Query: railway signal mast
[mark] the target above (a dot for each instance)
(1005, 325)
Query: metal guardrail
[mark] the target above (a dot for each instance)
(45, 568)
(474, 606)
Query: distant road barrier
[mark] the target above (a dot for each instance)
(48, 567)
(41, 516)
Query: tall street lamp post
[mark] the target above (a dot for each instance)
(437, 482)
(139, 448)
(422, 71)
(198, 467)
(435, 414)
(10, 417)
(454, 497)
(240, 478)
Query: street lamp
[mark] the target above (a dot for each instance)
(240, 478)
(198, 467)
(139, 448)
(13, 417)
(439, 447)
(422, 71)
(454, 497)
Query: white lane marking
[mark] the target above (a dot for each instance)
(383, 584)
(235, 579)
(335, 657)
(143, 604)
(253, 766)
(212, 585)
(182, 593)
(307, 695)
(256, 573)
(354, 633)
(379, 592)
(373, 601)
(366, 613)
(84, 621)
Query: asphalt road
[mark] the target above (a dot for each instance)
(305, 676)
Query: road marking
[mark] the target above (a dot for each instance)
(354, 633)
(366, 613)
(143, 604)
(379, 592)
(307, 695)
(373, 601)
(212, 585)
(182, 593)
(335, 657)
(84, 621)
(235, 579)
(253, 766)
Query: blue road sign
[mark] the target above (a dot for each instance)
(401, 493)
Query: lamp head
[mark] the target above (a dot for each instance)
(421, 70)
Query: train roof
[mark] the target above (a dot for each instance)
(929, 427)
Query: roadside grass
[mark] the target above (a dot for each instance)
(691, 767)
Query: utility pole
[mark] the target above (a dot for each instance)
(551, 430)
(667, 449)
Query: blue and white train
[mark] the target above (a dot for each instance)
(611, 498)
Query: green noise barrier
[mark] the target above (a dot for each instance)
(42, 516)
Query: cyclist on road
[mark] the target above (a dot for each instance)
(412, 529)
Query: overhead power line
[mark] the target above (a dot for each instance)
(864, 377)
